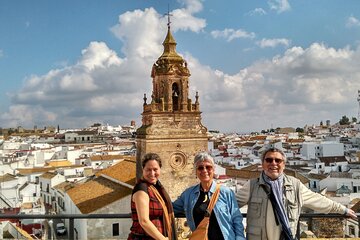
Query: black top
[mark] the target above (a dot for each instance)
(214, 232)
(143, 187)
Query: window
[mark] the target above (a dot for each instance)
(115, 229)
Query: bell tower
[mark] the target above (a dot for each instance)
(171, 122)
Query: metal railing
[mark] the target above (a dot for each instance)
(72, 217)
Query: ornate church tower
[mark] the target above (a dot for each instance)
(171, 123)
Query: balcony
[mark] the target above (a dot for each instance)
(308, 217)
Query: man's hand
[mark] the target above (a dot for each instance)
(351, 213)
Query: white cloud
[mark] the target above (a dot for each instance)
(352, 22)
(315, 83)
(184, 19)
(101, 86)
(257, 11)
(98, 55)
(279, 5)
(192, 6)
(273, 42)
(24, 114)
(231, 34)
(140, 32)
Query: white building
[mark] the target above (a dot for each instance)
(109, 193)
(339, 180)
(47, 181)
(312, 150)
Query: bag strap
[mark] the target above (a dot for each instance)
(166, 213)
(213, 199)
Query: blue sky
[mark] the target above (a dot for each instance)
(256, 64)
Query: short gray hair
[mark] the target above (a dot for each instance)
(273, 150)
(203, 156)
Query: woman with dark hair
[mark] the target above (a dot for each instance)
(151, 209)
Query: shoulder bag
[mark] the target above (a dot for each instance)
(201, 232)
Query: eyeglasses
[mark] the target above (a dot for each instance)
(270, 160)
(208, 168)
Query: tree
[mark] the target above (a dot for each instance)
(354, 120)
(299, 130)
(344, 120)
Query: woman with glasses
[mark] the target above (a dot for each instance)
(275, 201)
(225, 218)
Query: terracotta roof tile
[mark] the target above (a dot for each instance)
(48, 175)
(62, 163)
(27, 171)
(96, 194)
(124, 171)
(64, 186)
(356, 207)
(317, 176)
(328, 160)
(108, 157)
(7, 177)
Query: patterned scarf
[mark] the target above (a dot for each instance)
(168, 217)
(276, 196)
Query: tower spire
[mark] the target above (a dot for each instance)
(169, 43)
(168, 15)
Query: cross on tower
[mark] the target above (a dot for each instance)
(168, 15)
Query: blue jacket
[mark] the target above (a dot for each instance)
(226, 210)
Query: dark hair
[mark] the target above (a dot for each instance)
(273, 150)
(150, 156)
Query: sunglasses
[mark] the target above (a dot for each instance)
(270, 160)
(208, 168)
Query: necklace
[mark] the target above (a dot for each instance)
(206, 197)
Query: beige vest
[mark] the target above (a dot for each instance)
(260, 212)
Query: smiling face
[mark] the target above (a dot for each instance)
(205, 171)
(151, 171)
(273, 165)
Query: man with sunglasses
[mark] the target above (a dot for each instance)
(275, 200)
